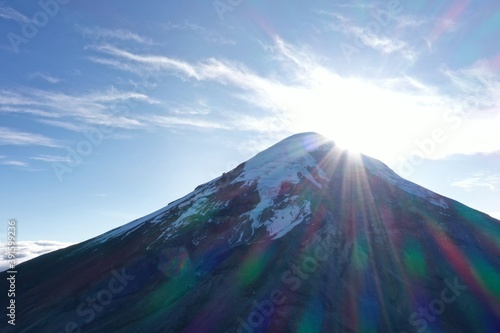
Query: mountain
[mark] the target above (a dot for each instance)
(304, 237)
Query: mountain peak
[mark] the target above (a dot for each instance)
(306, 142)
(301, 230)
(305, 137)
(295, 149)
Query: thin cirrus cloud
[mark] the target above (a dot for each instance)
(52, 158)
(223, 72)
(478, 180)
(378, 40)
(170, 122)
(99, 33)
(15, 163)
(199, 108)
(480, 83)
(151, 62)
(209, 70)
(27, 110)
(5, 161)
(206, 34)
(9, 13)
(306, 91)
(104, 34)
(67, 125)
(354, 5)
(9, 136)
(74, 112)
(46, 77)
(78, 112)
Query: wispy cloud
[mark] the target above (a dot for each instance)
(407, 22)
(212, 69)
(152, 63)
(10, 136)
(51, 158)
(200, 107)
(302, 91)
(480, 83)
(385, 39)
(9, 13)
(207, 34)
(475, 91)
(380, 43)
(74, 112)
(28, 110)
(335, 15)
(5, 161)
(46, 77)
(67, 125)
(479, 180)
(99, 33)
(169, 122)
(355, 5)
(13, 98)
(27, 250)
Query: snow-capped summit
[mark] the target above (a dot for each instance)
(303, 237)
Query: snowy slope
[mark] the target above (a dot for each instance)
(286, 162)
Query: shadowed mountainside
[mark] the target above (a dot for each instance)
(303, 237)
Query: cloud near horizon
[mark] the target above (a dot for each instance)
(27, 250)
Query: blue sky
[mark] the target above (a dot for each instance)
(111, 109)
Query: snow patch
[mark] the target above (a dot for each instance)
(380, 169)
(286, 219)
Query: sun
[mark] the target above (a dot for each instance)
(352, 147)
(357, 115)
(347, 111)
